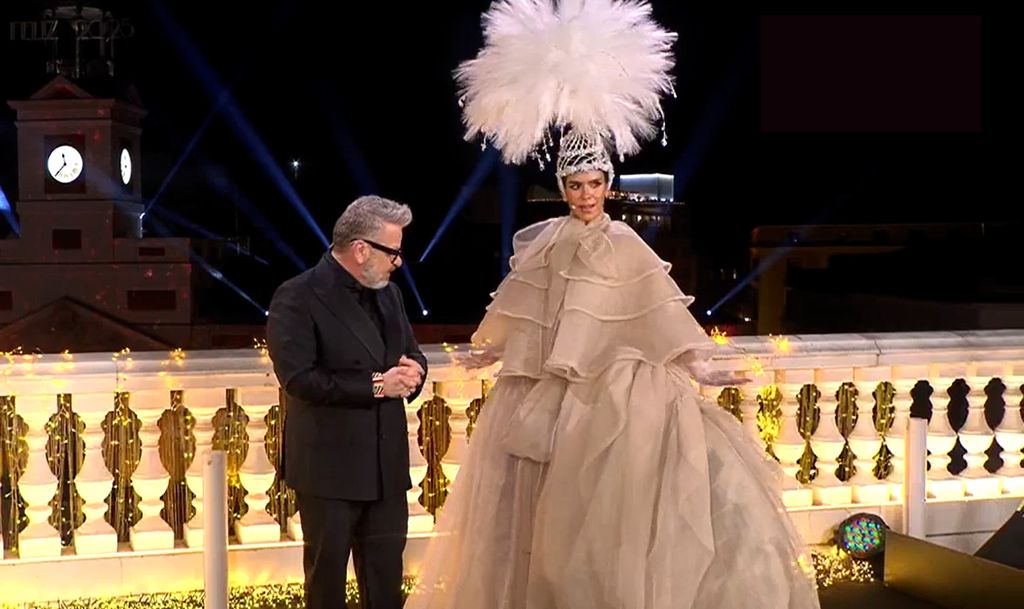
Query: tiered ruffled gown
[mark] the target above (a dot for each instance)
(597, 476)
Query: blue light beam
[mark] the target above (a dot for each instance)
(231, 192)
(182, 221)
(508, 187)
(350, 151)
(221, 100)
(8, 212)
(764, 265)
(823, 215)
(483, 168)
(415, 292)
(160, 228)
(717, 105)
(236, 118)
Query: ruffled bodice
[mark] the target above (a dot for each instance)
(582, 296)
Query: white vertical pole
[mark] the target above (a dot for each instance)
(914, 489)
(215, 535)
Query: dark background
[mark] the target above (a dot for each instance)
(886, 114)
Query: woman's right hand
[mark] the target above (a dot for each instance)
(475, 359)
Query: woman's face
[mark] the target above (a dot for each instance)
(585, 192)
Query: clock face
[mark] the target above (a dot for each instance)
(64, 164)
(126, 166)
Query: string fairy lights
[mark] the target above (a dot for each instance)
(828, 565)
(834, 565)
(274, 596)
(719, 337)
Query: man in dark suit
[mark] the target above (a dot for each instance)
(345, 354)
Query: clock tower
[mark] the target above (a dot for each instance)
(78, 160)
(79, 275)
(80, 266)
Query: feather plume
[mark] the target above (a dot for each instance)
(599, 66)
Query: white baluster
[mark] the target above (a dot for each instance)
(420, 520)
(941, 439)
(790, 445)
(905, 378)
(1010, 432)
(864, 439)
(828, 442)
(459, 394)
(37, 483)
(714, 395)
(748, 410)
(294, 525)
(203, 403)
(257, 472)
(977, 437)
(150, 478)
(94, 482)
(486, 384)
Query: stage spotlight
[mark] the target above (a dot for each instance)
(862, 535)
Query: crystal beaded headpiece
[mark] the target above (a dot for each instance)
(580, 152)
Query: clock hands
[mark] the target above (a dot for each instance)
(70, 166)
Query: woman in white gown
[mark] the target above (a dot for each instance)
(597, 476)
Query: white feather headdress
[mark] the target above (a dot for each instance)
(597, 66)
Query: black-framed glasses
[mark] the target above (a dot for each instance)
(390, 251)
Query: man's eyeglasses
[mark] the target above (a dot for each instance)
(393, 254)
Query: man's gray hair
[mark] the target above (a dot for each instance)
(366, 216)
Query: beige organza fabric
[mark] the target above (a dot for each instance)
(597, 477)
(581, 297)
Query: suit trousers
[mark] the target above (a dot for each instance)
(374, 532)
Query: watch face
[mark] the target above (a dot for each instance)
(126, 166)
(64, 164)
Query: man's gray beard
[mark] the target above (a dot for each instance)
(374, 285)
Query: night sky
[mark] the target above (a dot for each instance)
(363, 95)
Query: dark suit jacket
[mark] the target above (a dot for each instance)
(340, 442)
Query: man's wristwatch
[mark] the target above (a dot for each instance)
(378, 384)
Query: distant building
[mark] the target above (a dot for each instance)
(886, 277)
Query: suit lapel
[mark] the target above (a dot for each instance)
(345, 309)
(390, 311)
